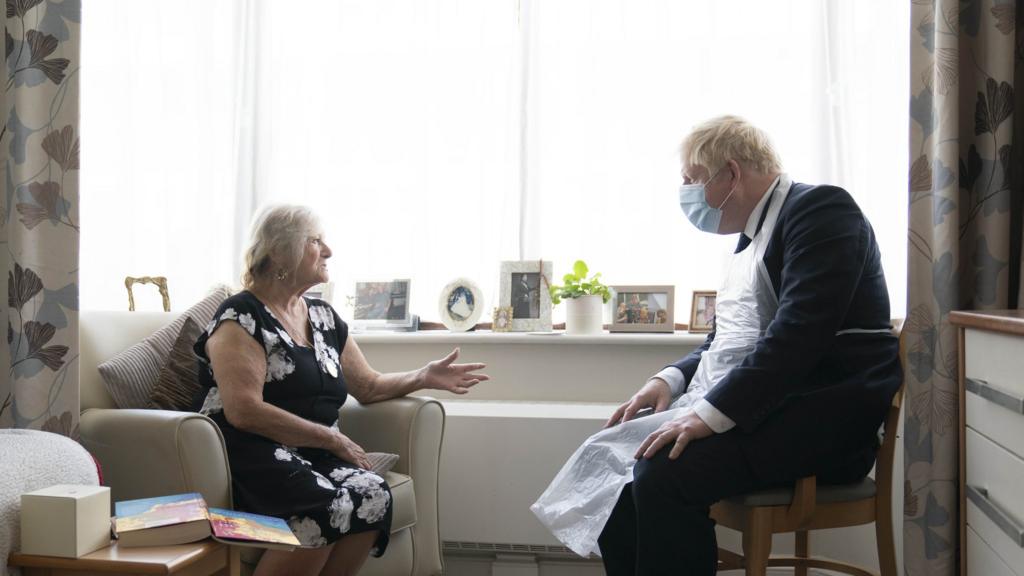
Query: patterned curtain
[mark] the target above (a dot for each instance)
(966, 176)
(39, 216)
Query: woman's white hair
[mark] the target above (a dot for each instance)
(277, 240)
(718, 140)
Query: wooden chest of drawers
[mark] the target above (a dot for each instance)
(991, 347)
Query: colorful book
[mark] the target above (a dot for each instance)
(182, 518)
(247, 529)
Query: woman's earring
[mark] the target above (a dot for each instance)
(281, 274)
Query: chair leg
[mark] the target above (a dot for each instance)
(801, 551)
(886, 546)
(757, 541)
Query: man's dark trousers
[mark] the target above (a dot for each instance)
(660, 524)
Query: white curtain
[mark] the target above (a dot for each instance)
(614, 86)
(437, 138)
(164, 129)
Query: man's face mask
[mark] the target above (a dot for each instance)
(694, 202)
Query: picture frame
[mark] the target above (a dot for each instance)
(643, 308)
(461, 304)
(501, 319)
(702, 311)
(524, 286)
(382, 305)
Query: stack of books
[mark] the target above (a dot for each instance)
(183, 518)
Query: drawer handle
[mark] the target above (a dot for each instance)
(996, 395)
(1007, 524)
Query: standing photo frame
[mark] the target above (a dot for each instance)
(643, 308)
(501, 319)
(382, 305)
(702, 310)
(461, 304)
(524, 286)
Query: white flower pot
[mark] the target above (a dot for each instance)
(584, 315)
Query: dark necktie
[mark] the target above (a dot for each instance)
(743, 243)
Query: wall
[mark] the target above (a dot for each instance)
(508, 438)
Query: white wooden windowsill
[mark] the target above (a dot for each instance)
(484, 337)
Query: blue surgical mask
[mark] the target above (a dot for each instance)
(693, 199)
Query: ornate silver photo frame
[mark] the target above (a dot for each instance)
(524, 286)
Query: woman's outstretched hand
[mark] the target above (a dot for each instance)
(444, 374)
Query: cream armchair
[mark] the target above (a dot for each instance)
(147, 453)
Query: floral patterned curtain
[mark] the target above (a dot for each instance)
(966, 176)
(39, 216)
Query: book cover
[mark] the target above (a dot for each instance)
(161, 521)
(159, 511)
(235, 527)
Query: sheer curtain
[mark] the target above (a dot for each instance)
(161, 90)
(437, 138)
(398, 120)
(615, 85)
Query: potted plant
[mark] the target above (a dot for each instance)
(585, 299)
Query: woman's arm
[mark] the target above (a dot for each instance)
(240, 368)
(369, 386)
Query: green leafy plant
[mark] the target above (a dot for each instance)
(577, 284)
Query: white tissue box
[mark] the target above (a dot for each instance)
(65, 520)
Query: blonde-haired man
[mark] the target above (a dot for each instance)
(794, 380)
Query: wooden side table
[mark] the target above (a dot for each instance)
(203, 558)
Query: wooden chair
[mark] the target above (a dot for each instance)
(808, 506)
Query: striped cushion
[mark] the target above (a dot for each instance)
(131, 375)
(381, 462)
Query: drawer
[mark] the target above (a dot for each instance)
(982, 560)
(995, 358)
(995, 508)
(994, 420)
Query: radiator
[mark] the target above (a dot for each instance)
(497, 458)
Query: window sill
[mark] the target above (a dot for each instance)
(484, 337)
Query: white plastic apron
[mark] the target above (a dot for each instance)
(578, 502)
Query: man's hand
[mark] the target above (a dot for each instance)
(655, 394)
(679, 430)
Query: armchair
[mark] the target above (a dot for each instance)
(157, 452)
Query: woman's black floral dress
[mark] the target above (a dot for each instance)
(321, 496)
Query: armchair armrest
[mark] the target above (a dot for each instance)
(146, 453)
(413, 428)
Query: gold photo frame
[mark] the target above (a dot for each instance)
(501, 321)
(702, 310)
(161, 286)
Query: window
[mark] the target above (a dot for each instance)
(437, 138)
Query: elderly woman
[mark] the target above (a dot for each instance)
(278, 365)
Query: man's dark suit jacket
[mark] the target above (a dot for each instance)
(825, 266)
